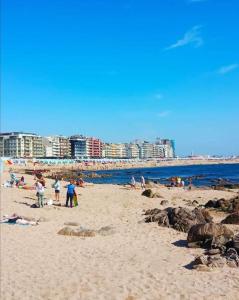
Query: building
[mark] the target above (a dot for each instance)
(57, 146)
(19, 144)
(112, 150)
(95, 147)
(65, 146)
(79, 147)
(133, 150)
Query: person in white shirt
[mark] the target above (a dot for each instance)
(142, 180)
(133, 183)
(40, 193)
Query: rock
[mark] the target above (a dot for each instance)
(161, 217)
(148, 193)
(204, 235)
(231, 205)
(216, 261)
(213, 251)
(201, 260)
(236, 243)
(157, 195)
(152, 211)
(77, 232)
(71, 224)
(164, 202)
(182, 219)
(179, 218)
(202, 268)
(106, 230)
(195, 203)
(206, 214)
(231, 219)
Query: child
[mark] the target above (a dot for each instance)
(57, 187)
(40, 193)
(70, 193)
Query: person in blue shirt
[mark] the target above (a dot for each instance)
(70, 193)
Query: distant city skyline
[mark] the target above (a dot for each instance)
(123, 70)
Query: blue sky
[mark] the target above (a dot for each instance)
(122, 70)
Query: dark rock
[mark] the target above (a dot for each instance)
(179, 218)
(204, 235)
(164, 202)
(182, 219)
(231, 205)
(148, 193)
(231, 219)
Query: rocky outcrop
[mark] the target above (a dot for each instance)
(181, 219)
(231, 205)
(231, 219)
(209, 235)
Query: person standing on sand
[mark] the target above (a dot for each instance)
(70, 193)
(57, 187)
(40, 193)
(142, 180)
(133, 183)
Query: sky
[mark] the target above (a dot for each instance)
(123, 70)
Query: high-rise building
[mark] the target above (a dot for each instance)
(79, 146)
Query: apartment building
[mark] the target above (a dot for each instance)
(19, 144)
(95, 147)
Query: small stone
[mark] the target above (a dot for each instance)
(202, 268)
(71, 224)
(213, 251)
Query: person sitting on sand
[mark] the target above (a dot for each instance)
(80, 182)
(40, 193)
(57, 187)
(133, 183)
(70, 193)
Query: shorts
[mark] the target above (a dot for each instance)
(57, 191)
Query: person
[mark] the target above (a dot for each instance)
(70, 193)
(178, 181)
(142, 182)
(182, 184)
(190, 184)
(133, 183)
(13, 179)
(40, 193)
(57, 187)
(80, 182)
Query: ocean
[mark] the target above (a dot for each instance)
(206, 175)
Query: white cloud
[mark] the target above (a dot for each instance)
(226, 69)
(163, 114)
(192, 36)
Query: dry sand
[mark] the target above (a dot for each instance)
(138, 261)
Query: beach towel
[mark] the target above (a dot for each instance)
(75, 201)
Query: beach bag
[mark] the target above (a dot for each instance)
(75, 202)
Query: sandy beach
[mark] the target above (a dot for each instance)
(136, 261)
